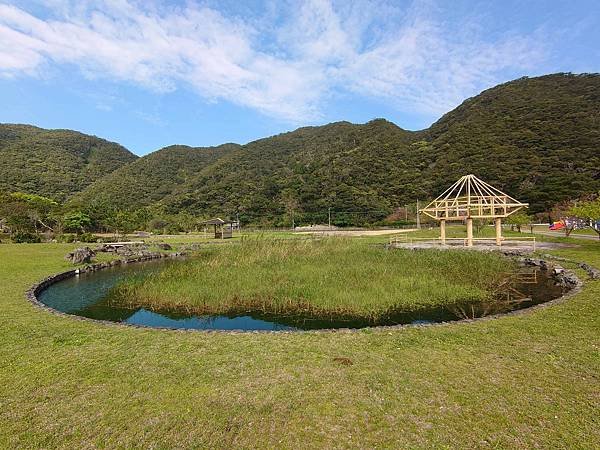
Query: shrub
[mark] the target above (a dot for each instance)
(25, 237)
(87, 237)
(173, 228)
(100, 239)
(66, 238)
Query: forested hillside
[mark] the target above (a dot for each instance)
(536, 138)
(55, 163)
(152, 177)
(352, 168)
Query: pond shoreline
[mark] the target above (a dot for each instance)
(570, 281)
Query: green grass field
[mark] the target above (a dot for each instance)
(329, 277)
(526, 381)
(544, 229)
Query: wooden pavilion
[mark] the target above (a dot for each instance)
(223, 228)
(471, 198)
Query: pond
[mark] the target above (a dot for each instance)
(86, 295)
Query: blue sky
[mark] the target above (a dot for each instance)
(149, 74)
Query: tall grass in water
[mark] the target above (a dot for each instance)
(325, 277)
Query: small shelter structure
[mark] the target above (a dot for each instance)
(471, 198)
(223, 229)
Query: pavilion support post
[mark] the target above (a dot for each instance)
(498, 231)
(469, 232)
(443, 231)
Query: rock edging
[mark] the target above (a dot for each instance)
(36, 289)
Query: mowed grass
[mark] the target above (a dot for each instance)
(527, 381)
(321, 277)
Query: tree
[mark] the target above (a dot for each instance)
(589, 210)
(76, 222)
(291, 204)
(518, 220)
(157, 224)
(142, 217)
(121, 222)
(562, 211)
(26, 213)
(16, 217)
(40, 209)
(480, 224)
(184, 221)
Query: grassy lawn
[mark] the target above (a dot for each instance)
(329, 277)
(544, 229)
(521, 381)
(200, 237)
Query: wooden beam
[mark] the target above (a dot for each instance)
(498, 231)
(474, 198)
(443, 231)
(469, 232)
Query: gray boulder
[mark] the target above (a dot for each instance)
(566, 279)
(593, 273)
(107, 248)
(80, 255)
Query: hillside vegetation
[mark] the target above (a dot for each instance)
(55, 163)
(343, 166)
(536, 138)
(152, 177)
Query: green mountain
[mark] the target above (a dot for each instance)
(55, 163)
(153, 177)
(348, 167)
(538, 139)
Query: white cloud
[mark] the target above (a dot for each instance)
(285, 69)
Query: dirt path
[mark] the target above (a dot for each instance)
(356, 232)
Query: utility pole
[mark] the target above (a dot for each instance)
(237, 219)
(406, 213)
(418, 217)
(329, 214)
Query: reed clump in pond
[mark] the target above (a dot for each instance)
(325, 278)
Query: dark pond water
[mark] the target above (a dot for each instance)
(86, 295)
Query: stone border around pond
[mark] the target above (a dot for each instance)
(566, 277)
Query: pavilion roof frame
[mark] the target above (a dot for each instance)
(472, 198)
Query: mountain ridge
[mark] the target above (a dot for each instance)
(143, 181)
(55, 163)
(537, 138)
